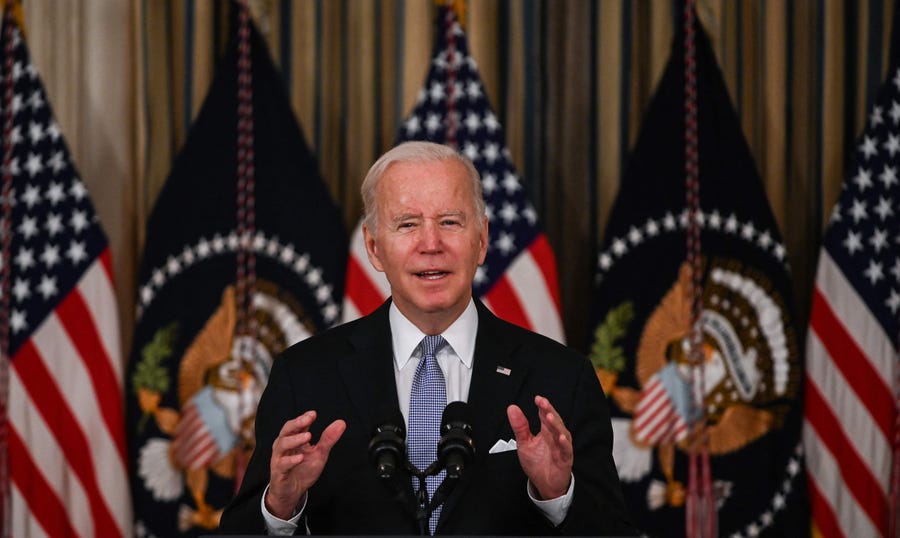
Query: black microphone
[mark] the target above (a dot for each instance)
(387, 449)
(456, 447)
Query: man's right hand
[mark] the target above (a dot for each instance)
(296, 463)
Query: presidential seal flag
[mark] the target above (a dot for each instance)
(245, 255)
(518, 280)
(63, 428)
(752, 368)
(852, 346)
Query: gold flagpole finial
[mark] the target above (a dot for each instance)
(458, 6)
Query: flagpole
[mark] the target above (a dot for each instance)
(452, 120)
(5, 271)
(700, 517)
(246, 211)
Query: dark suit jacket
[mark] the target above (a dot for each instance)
(347, 373)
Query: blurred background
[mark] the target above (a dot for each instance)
(569, 80)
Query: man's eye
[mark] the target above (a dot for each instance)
(451, 222)
(406, 225)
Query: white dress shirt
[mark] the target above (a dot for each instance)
(456, 360)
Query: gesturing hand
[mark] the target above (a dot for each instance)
(546, 457)
(296, 463)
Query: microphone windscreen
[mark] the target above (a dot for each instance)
(459, 414)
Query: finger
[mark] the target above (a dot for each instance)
(283, 464)
(291, 443)
(330, 436)
(298, 424)
(550, 419)
(518, 423)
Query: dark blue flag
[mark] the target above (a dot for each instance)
(272, 232)
(642, 321)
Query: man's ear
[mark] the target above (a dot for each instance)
(372, 249)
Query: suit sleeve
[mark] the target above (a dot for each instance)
(276, 406)
(598, 506)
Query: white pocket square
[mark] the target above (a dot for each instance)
(502, 446)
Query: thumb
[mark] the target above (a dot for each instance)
(518, 423)
(331, 435)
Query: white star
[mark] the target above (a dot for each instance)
(879, 240)
(54, 224)
(323, 293)
(530, 214)
(731, 225)
(506, 243)
(888, 176)
(471, 151)
(31, 196)
(17, 71)
(884, 208)
(874, 272)
(715, 220)
(36, 100)
(651, 228)
(146, 294)
(473, 90)
(778, 501)
(683, 218)
(28, 227)
(489, 212)
(55, 193)
(34, 164)
(24, 259)
(764, 239)
(669, 222)
(79, 221)
(187, 256)
(619, 247)
(480, 275)
(433, 123)
(232, 241)
(895, 270)
(853, 242)
(779, 251)
(473, 122)
(15, 136)
(412, 125)
(218, 244)
(489, 183)
(752, 530)
(259, 241)
(511, 183)
(53, 130)
(314, 277)
(895, 112)
(863, 179)
(329, 313)
(173, 266)
(50, 256)
(76, 252)
(491, 152)
(892, 145)
(14, 169)
(747, 231)
(17, 104)
(203, 248)
(635, 236)
(301, 263)
(605, 261)
(509, 213)
(836, 213)
(490, 121)
(47, 287)
(875, 118)
(893, 302)
(17, 321)
(287, 254)
(858, 211)
(159, 277)
(436, 92)
(21, 290)
(896, 80)
(35, 132)
(57, 162)
(77, 189)
(273, 247)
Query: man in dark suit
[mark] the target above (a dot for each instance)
(426, 230)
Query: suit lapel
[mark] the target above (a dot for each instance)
(368, 372)
(496, 380)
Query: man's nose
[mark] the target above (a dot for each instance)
(430, 238)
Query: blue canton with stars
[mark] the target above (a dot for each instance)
(479, 135)
(56, 234)
(864, 234)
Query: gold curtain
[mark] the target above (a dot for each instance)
(569, 80)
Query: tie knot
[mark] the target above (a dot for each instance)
(430, 345)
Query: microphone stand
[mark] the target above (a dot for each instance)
(424, 506)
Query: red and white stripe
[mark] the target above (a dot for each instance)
(67, 429)
(655, 418)
(850, 365)
(194, 446)
(526, 294)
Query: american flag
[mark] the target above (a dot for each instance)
(664, 410)
(66, 434)
(852, 345)
(518, 280)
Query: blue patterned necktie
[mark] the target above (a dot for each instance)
(426, 405)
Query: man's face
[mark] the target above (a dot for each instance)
(428, 241)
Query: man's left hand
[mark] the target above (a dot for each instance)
(546, 457)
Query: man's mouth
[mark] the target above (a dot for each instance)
(431, 275)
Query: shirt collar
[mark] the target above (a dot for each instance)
(460, 335)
